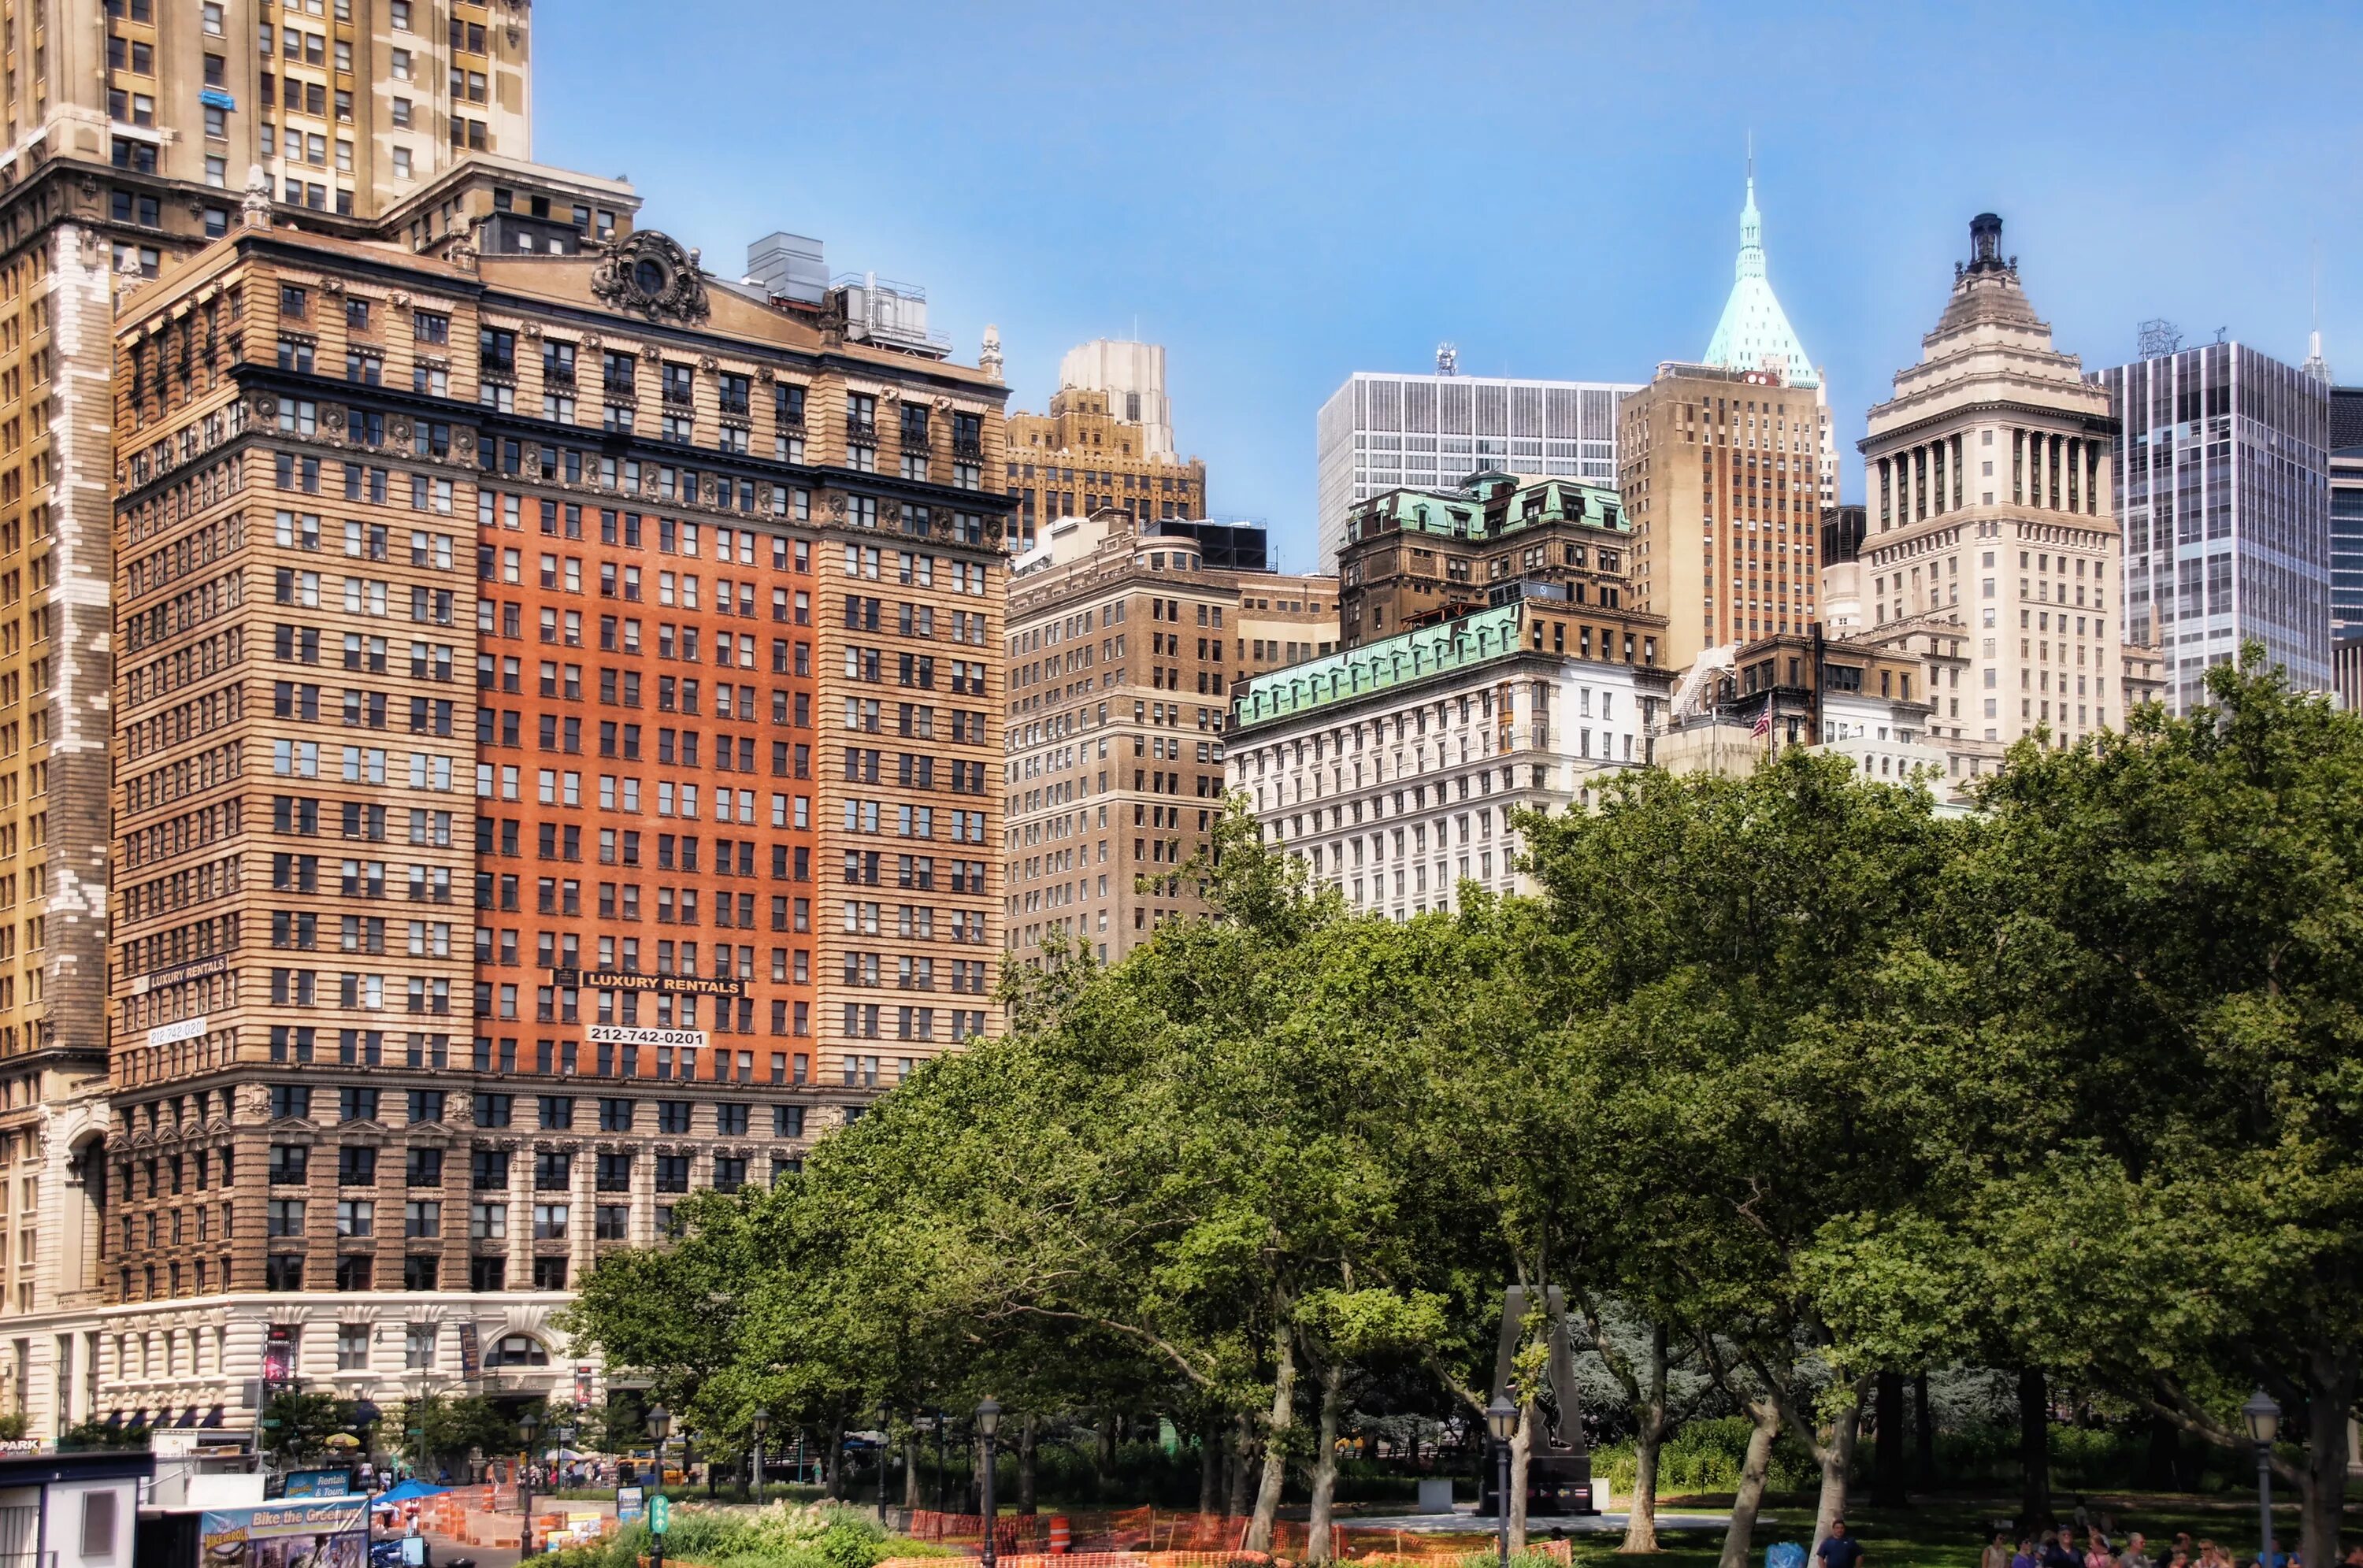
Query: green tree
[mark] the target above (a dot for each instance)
(2182, 921)
(1774, 1051)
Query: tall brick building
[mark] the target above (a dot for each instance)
(427, 994)
(131, 130)
(1126, 640)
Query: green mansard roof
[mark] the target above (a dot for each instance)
(1399, 660)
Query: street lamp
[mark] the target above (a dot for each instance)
(988, 1425)
(1502, 1421)
(2264, 1418)
(761, 1421)
(527, 1424)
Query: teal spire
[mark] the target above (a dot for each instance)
(1751, 233)
(1754, 333)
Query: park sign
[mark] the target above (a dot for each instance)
(660, 1515)
(630, 1502)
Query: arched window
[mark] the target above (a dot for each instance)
(518, 1350)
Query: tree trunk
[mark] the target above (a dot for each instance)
(911, 1468)
(1210, 1465)
(1522, 1450)
(1887, 1443)
(1764, 1418)
(1103, 1446)
(2331, 1378)
(1275, 1441)
(835, 1477)
(1648, 1437)
(1235, 1465)
(1924, 1432)
(2158, 1459)
(1029, 1433)
(1837, 1465)
(2034, 1451)
(1317, 1547)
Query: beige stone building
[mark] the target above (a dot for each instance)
(1127, 638)
(348, 106)
(1992, 547)
(1084, 457)
(1720, 471)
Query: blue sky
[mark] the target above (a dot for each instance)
(1285, 192)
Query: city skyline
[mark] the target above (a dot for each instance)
(1248, 268)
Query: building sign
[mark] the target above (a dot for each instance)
(141, 984)
(584, 1374)
(632, 981)
(332, 1533)
(174, 1034)
(618, 1034)
(317, 1483)
(472, 1352)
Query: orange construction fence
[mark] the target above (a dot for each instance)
(1154, 1538)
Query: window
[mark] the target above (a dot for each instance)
(353, 1347)
(518, 1350)
(419, 1346)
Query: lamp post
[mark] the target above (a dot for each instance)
(660, 1421)
(2264, 1418)
(988, 1424)
(761, 1422)
(526, 1425)
(1502, 1421)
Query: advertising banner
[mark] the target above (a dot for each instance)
(306, 1534)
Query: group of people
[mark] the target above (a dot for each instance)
(2089, 1546)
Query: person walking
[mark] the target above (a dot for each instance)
(1997, 1553)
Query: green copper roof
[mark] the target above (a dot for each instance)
(1462, 513)
(1754, 333)
(1399, 660)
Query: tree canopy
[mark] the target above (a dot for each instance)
(1784, 1081)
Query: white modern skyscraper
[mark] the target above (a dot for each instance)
(2222, 463)
(1379, 432)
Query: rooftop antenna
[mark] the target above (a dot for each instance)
(2157, 337)
(2315, 364)
(1448, 360)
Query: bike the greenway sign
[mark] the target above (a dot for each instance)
(660, 1514)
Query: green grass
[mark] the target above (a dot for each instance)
(1942, 1533)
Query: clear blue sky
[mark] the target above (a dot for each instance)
(1283, 193)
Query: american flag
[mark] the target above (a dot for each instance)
(1763, 719)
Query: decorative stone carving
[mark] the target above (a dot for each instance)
(708, 363)
(648, 273)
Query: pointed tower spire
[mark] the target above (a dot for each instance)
(1755, 334)
(1751, 231)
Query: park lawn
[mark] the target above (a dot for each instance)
(1941, 1534)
